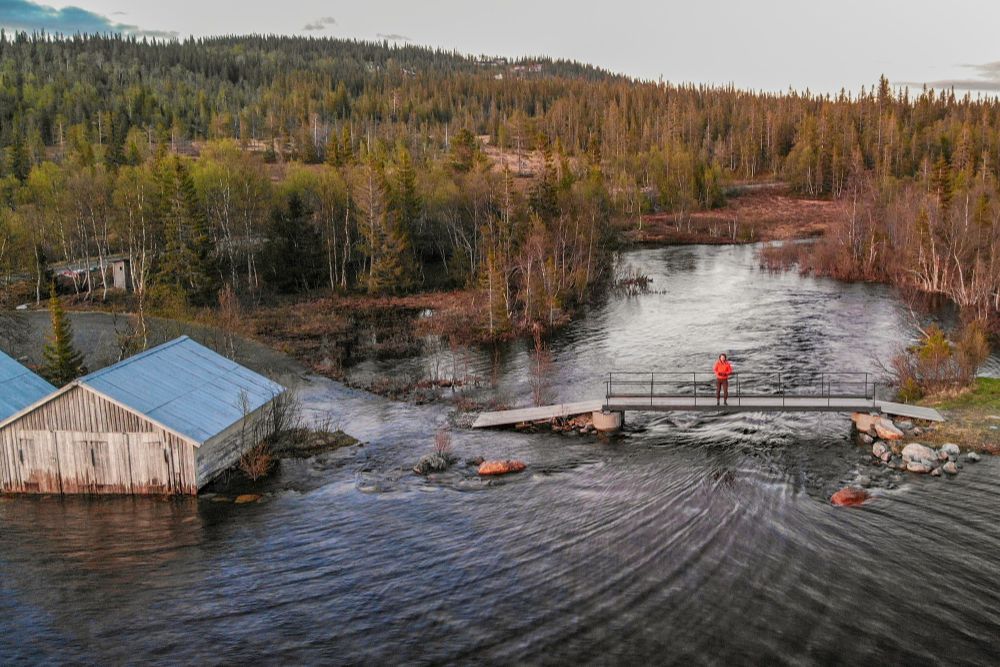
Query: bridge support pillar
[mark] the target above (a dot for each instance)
(608, 422)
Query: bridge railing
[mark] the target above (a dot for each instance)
(745, 384)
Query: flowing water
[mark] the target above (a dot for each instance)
(691, 538)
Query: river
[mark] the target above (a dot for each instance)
(689, 539)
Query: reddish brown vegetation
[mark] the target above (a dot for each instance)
(763, 213)
(938, 236)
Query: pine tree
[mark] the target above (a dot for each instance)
(393, 271)
(406, 199)
(63, 362)
(188, 261)
(295, 248)
(18, 160)
(463, 150)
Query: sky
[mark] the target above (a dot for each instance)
(755, 44)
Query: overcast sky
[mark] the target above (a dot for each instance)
(760, 44)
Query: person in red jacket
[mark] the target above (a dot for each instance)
(722, 369)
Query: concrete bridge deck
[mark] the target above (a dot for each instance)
(672, 391)
(690, 403)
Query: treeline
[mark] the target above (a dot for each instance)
(381, 150)
(376, 221)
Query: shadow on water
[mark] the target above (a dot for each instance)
(690, 538)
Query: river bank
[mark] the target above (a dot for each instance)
(973, 417)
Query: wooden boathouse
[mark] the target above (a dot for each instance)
(166, 421)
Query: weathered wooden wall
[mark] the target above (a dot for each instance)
(82, 443)
(221, 452)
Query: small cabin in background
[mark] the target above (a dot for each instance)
(166, 421)
(121, 274)
(19, 387)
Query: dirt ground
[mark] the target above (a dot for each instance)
(768, 212)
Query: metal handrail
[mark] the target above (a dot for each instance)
(830, 385)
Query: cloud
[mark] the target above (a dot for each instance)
(393, 37)
(27, 15)
(321, 23)
(988, 73)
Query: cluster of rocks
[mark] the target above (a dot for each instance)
(441, 461)
(434, 462)
(578, 424)
(886, 440)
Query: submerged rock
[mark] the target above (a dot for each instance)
(972, 457)
(501, 467)
(849, 496)
(247, 498)
(436, 462)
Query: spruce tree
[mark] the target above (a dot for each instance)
(63, 362)
(188, 261)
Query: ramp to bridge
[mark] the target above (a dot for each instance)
(519, 415)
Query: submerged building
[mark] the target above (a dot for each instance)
(166, 421)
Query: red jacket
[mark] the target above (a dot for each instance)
(723, 369)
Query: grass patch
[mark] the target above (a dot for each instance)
(973, 417)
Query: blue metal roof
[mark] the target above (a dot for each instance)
(186, 387)
(19, 387)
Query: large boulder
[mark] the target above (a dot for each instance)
(501, 467)
(849, 496)
(886, 430)
(914, 451)
(864, 422)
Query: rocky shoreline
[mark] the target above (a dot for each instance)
(889, 446)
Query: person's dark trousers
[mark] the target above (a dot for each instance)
(722, 389)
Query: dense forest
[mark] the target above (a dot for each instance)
(267, 165)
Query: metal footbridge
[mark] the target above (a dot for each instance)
(678, 391)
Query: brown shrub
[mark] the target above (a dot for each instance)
(442, 441)
(257, 461)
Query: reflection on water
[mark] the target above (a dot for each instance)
(694, 538)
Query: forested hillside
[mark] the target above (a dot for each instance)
(283, 164)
